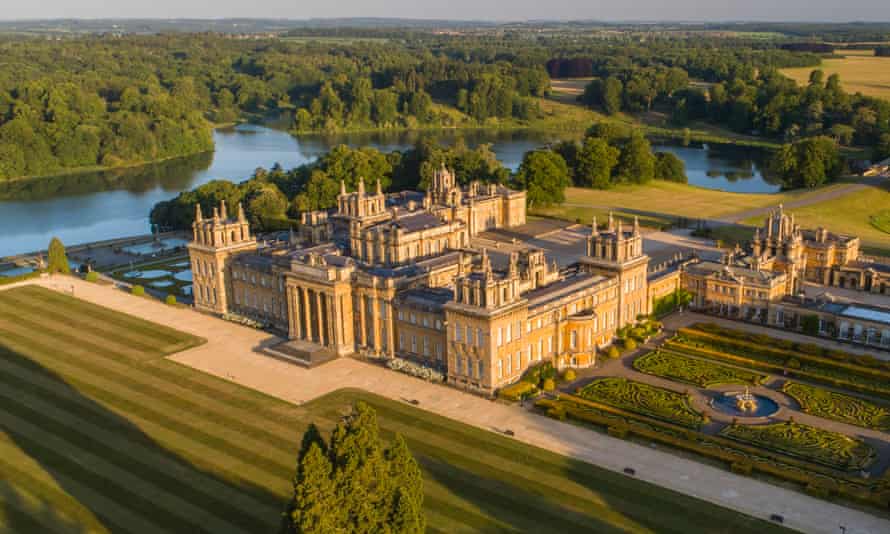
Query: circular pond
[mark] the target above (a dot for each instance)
(729, 404)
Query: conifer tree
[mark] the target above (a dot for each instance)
(58, 259)
(353, 484)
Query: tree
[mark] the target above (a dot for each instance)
(594, 163)
(58, 259)
(882, 150)
(669, 167)
(808, 163)
(544, 175)
(353, 484)
(611, 96)
(637, 163)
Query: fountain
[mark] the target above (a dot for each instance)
(746, 402)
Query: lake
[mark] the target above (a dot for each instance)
(105, 205)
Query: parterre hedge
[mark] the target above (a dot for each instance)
(873, 492)
(836, 373)
(810, 443)
(702, 373)
(644, 399)
(844, 408)
(518, 391)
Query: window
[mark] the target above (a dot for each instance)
(500, 369)
(479, 338)
(518, 329)
(458, 332)
(507, 337)
(460, 365)
(509, 364)
(469, 335)
(401, 315)
(573, 339)
(414, 344)
(438, 324)
(438, 351)
(481, 369)
(528, 327)
(550, 345)
(413, 318)
(426, 346)
(500, 336)
(426, 321)
(540, 348)
(518, 360)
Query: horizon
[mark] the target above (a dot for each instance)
(633, 11)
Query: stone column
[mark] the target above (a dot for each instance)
(306, 315)
(297, 318)
(332, 321)
(363, 333)
(375, 323)
(390, 336)
(319, 317)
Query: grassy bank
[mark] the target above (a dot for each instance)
(100, 433)
(860, 73)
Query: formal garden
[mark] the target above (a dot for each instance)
(838, 406)
(702, 373)
(644, 399)
(172, 275)
(825, 447)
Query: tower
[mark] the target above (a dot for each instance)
(215, 241)
(619, 252)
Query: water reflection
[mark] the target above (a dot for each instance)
(110, 204)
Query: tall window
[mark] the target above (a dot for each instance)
(500, 369)
(573, 339)
(479, 337)
(507, 337)
(458, 332)
(469, 335)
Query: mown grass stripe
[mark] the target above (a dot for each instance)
(127, 454)
(122, 320)
(17, 339)
(59, 459)
(219, 445)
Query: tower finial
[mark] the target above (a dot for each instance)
(486, 264)
(514, 263)
(222, 210)
(198, 215)
(594, 226)
(611, 222)
(361, 187)
(241, 216)
(342, 187)
(379, 187)
(636, 225)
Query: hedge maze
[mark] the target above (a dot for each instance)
(695, 371)
(644, 399)
(844, 408)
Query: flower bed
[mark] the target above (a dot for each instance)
(702, 373)
(813, 444)
(414, 369)
(642, 398)
(840, 407)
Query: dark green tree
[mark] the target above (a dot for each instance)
(808, 163)
(57, 261)
(594, 163)
(669, 167)
(544, 175)
(354, 484)
(636, 163)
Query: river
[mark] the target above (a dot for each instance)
(110, 204)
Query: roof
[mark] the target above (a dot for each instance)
(428, 298)
(709, 268)
(546, 294)
(416, 268)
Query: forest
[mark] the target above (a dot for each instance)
(108, 101)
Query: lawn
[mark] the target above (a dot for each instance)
(100, 433)
(644, 399)
(859, 73)
(813, 444)
(854, 213)
(844, 408)
(659, 199)
(694, 371)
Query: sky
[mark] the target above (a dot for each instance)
(500, 10)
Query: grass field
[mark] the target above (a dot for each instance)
(101, 433)
(859, 72)
(850, 214)
(669, 198)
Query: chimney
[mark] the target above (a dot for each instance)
(198, 215)
(222, 210)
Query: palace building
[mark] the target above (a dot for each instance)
(395, 275)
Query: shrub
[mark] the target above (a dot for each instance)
(613, 352)
(638, 334)
(617, 431)
(549, 384)
(92, 276)
(171, 300)
(410, 368)
(557, 412)
(569, 375)
(138, 291)
(792, 363)
(630, 344)
(741, 468)
(517, 391)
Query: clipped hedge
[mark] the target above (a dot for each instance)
(698, 372)
(92, 276)
(784, 467)
(642, 398)
(518, 391)
(844, 408)
(4, 280)
(138, 291)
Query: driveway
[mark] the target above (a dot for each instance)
(229, 354)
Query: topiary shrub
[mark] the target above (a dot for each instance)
(92, 276)
(549, 384)
(613, 352)
(557, 412)
(617, 431)
(741, 468)
(630, 344)
(138, 291)
(569, 375)
(171, 300)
